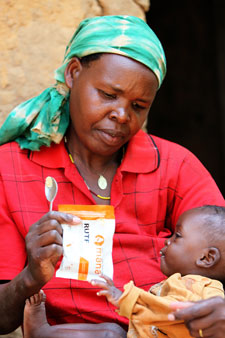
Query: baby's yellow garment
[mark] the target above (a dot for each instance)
(148, 311)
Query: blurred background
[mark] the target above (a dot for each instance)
(190, 106)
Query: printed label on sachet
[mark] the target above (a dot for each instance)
(87, 247)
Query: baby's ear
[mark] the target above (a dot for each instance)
(209, 258)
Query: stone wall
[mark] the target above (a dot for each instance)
(34, 35)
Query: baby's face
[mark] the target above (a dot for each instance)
(185, 246)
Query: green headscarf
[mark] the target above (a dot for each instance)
(45, 118)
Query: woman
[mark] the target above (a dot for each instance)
(86, 133)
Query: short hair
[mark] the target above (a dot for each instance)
(86, 60)
(214, 223)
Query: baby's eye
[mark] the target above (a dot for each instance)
(177, 235)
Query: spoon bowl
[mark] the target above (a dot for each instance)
(51, 189)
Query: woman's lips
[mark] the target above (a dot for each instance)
(111, 137)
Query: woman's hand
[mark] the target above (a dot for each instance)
(108, 290)
(205, 318)
(44, 245)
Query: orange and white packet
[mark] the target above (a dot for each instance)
(87, 247)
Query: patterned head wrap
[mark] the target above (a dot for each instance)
(45, 118)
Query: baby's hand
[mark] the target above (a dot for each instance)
(108, 289)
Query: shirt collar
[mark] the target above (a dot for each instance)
(141, 156)
(53, 157)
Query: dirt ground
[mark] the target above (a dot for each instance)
(15, 334)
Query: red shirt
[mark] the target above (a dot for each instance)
(156, 182)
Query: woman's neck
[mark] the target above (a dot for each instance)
(90, 160)
(97, 171)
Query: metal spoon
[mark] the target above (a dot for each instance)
(51, 188)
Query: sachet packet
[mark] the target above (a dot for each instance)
(87, 247)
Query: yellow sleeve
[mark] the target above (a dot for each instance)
(128, 299)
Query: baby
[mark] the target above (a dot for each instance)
(193, 259)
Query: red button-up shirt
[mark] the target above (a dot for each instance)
(156, 182)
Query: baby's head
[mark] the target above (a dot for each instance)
(197, 245)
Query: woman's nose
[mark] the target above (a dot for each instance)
(120, 114)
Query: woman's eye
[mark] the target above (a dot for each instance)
(107, 95)
(137, 106)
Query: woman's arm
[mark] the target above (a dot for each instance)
(44, 248)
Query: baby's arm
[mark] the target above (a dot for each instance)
(108, 290)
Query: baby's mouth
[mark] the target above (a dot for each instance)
(162, 254)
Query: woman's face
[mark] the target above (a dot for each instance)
(109, 101)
